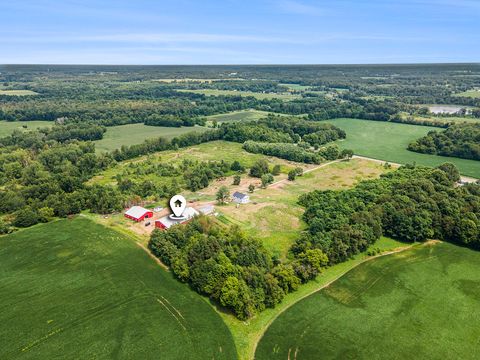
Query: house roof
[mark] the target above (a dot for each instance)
(207, 209)
(168, 222)
(239, 195)
(136, 212)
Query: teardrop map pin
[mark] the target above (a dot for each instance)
(177, 205)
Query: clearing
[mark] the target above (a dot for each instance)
(258, 95)
(388, 141)
(470, 93)
(132, 134)
(241, 115)
(7, 127)
(423, 303)
(17, 92)
(92, 293)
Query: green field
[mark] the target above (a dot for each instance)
(388, 141)
(17, 92)
(258, 95)
(423, 303)
(132, 134)
(242, 115)
(73, 289)
(470, 93)
(7, 127)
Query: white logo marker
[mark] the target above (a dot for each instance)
(178, 205)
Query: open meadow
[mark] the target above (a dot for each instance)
(7, 127)
(257, 95)
(77, 290)
(17, 92)
(132, 134)
(470, 93)
(422, 303)
(241, 115)
(388, 141)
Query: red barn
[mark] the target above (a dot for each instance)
(138, 213)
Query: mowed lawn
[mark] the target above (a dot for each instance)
(388, 141)
(7, 127)
(258, 95)
(132, 134)
(73, 289)
(423, 303)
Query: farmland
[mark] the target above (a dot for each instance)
(245, 115)
(131, 134)
(98, 295)
(388, 141)
(257, 95)
(7, 127)
(470, 94)
(421, 303)
(17, 92)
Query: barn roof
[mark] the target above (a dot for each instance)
(168, 222)
(136, 212)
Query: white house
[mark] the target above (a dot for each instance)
(240, 198)
(207, 209)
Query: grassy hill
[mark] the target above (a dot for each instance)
(73, 289)
(423, 303)
(388, 141)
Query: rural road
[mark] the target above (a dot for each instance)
(465, 179)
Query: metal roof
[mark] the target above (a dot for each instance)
(136, 212)
(239, 195)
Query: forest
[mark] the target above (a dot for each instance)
(461, 141)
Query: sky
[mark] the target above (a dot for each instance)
(238, 31)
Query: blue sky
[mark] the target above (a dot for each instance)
(238, 31)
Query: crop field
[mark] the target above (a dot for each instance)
(7, 127)
(248, 333)
(17, 92)
(258, 95)
(132, 134)
(388, 141)
(470, 93)
(77, 290)
(423, 303)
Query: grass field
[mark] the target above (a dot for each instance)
(17, 92)
(242, 115)
(131, 134)
(423, 303)
(258, 95)
(7, 127)
(273, 215)
(470, 93)
(388, 141)
(74, 289)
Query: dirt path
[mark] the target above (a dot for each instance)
(465, 179)
(259, 337)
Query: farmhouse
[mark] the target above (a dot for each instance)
(240, 198)
(166, 222)
(138, 213)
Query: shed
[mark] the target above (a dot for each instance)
(167, 222)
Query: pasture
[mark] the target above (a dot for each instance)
(423, 303)
(17, 92)
(7, 127)
(132, 134)
(470, 93)
(273, 215)
(388, 141)
(241, 115)
(258, 95)
(73, 289)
